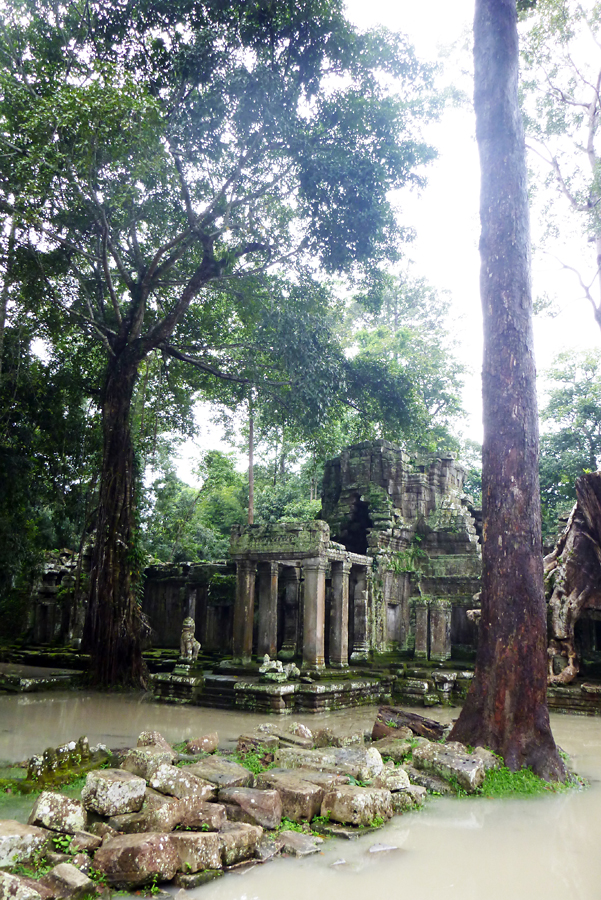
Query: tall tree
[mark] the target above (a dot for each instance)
(160, 150)
(506, 708)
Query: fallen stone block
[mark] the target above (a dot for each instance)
(221, 772)
(256, 807)
(84, 842)
(301, 800)
(66, 880)
(433, 784)
(393, 748)
(451, 763)
(144, 761)
(325, 737)
(153, 799)
(257, 743)
(238, 842)
(59, 813)
(395, 779)
(180, 782)
(197, 850)
(113, 792)
(19, 842)
(486, 757)
(189, 882)
(189, 812)
(402, 801)
(353, 805)
(323, 779)
(297, 844)
(362, 764)
(13, 887)
(208, 743)
(154, 739)
(394, 722)
(293, 735)
(268, 847)
(129, 860)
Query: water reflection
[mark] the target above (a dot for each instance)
(542, 849)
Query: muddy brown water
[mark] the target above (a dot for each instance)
(532, 849)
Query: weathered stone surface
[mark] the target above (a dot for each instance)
(402, 801)
(433, 784)
(135, 859)
(59, 813)
(85, 842)
(82, 862)
(268, 847)
(221, 772)
(260, 742)
(12, 887)
(66, 880)
(257, 807)
(392, 779)
(189, 882)
(238, 842)
(450, 763)
(18, 842)
(113, 792)
(180, 782)
(362, 764)
(293, 735)
(144, 761)
(325, 737)
(187, 812)
(297, 844)
(301, 800)
(357, 805)
(208, 743)
(486, 757)
(102, 830)
(323, 779)
(393, 748)
(394, 722)
(153, 799)
(197, 850)
(154, 739)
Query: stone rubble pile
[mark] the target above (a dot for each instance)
(164, 817)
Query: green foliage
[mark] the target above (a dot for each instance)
(288, 825)
(571, 436)
(523, 783)
(62, 842)
(257, 761)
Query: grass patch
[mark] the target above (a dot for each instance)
(523, 783)
(256, 761)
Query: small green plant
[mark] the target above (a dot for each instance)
(376, 822)
(523, 783)
(62, 843)
(205, 827)
(257, 761)
(289, 825)
(321, 820)
(154, 887)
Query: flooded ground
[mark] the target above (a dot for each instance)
(542, 849)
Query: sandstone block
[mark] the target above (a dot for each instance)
(197, 850)
(129, 860)
(357, 805)
(190, 812)
(253, 743)
(154, 739)
(238, 842)
(208, 743)
(113, 792)
(84, 842)
(180, 782)
(450, 763)
(393, 748)
(301, 800)
(144, 761)
(60, 813)
(297, 844)
(12, 887)
(66, 880)
(221, 772)
(362, 764)
(392, 780)
(19, 842)
(257, 807)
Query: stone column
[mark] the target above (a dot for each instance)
(244, 610)
(267, 641)
(360, 642)
(440, 629)
(314, 571)
(421, 627)
(339, 614)
(291, 583)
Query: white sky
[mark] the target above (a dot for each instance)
(445, 213)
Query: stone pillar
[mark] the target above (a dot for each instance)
(360, 642)
(314, 611)
(244, 610)
(421, 627)
(267, 641)
(291, 583)
(440, 629)
(339, 614)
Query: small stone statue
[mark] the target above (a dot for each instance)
(274, 670)
(189, 647)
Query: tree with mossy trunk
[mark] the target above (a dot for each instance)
(506, 708)
(156, 157)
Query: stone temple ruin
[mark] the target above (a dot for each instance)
(387, 575)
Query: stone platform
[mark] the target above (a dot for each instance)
(231, 691)
(20, 679)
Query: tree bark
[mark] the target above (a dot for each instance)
(506, 709)
(112, 632)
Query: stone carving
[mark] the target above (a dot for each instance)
(275, 670)
(189, 647)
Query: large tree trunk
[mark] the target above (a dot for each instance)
(574, 569)
(506, 709)
(112, 632)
